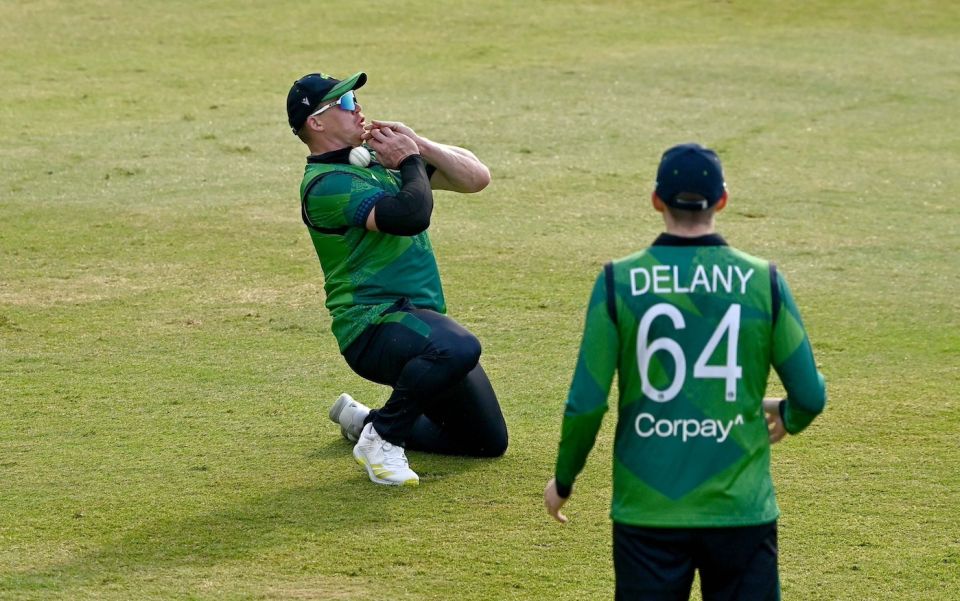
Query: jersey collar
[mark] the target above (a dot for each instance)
(334, 156)
(706, 240)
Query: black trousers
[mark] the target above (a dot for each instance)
(442, 401)
(657, 564)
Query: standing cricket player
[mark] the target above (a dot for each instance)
(692, 327)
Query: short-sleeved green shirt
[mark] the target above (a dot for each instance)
(364, 271)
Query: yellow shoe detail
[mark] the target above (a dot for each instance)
(380, 472)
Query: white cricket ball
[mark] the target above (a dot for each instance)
(360, 157)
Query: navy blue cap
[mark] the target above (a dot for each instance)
(690, 169)
(310, 91)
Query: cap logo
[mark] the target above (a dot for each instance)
(305, 101)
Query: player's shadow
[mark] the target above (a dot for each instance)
(341, 504)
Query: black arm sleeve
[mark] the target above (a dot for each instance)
(407, 213)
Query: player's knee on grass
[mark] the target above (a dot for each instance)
(487, 428)
(495, 444)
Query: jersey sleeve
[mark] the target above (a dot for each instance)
(587, 399)
(341, 200)
(430, 169)
(794, 363)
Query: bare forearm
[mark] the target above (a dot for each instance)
(458, 169)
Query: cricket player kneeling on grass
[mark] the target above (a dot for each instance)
(367, 213)
(692, 326)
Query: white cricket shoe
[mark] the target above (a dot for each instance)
(349, 415)
(386, 463)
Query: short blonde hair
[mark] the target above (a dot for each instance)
(685, 217)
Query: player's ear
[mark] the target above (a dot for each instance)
(657, 203)
(722, 202)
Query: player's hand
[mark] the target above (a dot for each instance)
(554, 501)
(771, 408)
(391, 148)
(396, 126)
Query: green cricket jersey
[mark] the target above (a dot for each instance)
(692, 327)
(364, 271)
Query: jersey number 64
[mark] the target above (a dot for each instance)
(730, 372)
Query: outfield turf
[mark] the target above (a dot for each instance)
(165, 358)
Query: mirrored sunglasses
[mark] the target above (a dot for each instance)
(347, 102)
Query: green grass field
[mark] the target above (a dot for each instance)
(165, 357)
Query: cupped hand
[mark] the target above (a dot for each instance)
(396, 126)
(554, 501)
(771, 409)
(391, 147)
